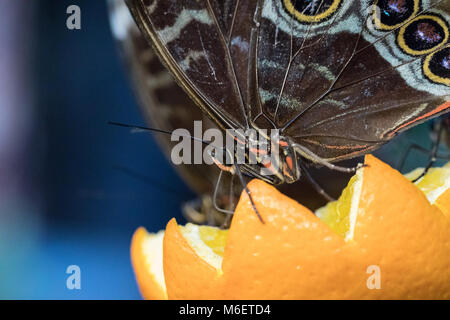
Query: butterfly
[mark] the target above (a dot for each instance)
(337, 78)
(165, 105)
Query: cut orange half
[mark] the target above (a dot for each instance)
(382, 239)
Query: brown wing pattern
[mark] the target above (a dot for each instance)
(343, 90)
(320, 70)
(191, 39)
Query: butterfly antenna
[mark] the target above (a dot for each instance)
(147, 180)
(314, 183)
(142, 128)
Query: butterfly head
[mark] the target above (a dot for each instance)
(289, 167)
(280, 164)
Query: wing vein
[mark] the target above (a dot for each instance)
(230, 61)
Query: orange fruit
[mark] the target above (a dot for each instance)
(146, 257)
(435, 185)
(443, 203)
(400, 231)
(382, 239)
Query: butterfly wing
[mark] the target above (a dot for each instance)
(166, 106)
(345, 85)
(338, 77)
(191, 38)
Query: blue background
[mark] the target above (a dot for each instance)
(84, 211)
(73, 207)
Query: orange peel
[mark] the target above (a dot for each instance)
(390, 243)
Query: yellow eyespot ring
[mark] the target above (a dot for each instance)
(311, 19)
(429, 74)
(401, 35)
(381, 26)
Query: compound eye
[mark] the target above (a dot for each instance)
(390, 14)
(436, 66)
(423, 35)
(309, 11)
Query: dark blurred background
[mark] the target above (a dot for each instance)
(62, 202)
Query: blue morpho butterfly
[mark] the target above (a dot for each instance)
(337, 78)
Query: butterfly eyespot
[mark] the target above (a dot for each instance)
(390, 14)
(423, 35)
(436, 66)
(311, 11)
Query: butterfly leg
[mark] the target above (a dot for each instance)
(241, 177)
(421, 149)
(231, 205)
(202, 211)
(408, 151)
(434, 150)
(307, 154)
(233, 169)
(191, 210)
(314, 183)
(216, 189)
